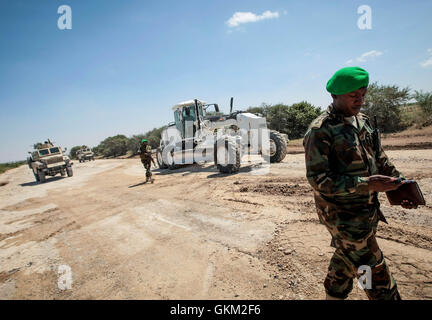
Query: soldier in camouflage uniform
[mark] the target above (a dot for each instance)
(346, 173)
(146, 159)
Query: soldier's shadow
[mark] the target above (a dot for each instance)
(138, 184)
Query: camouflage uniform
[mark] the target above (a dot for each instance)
(146, 159)
(338, 157)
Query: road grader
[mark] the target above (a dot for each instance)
(200, 133)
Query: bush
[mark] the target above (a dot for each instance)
(261, 111)
(134, 143)
(10, 165)
(385, 103)
(300, 115)
(112, 146)
(424, 99)
(292, 120)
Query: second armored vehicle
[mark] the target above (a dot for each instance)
(85, 154)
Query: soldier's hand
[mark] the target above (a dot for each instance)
(406, 204)
(381, 183)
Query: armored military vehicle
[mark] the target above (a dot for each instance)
(49, 160)
(84, 154)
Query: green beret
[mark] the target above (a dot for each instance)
(347, 80)
(143, 140)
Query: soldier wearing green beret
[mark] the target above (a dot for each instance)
(147, 159)
(346, 173)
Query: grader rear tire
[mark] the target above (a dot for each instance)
(280, 147)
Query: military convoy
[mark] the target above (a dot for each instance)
(85, 154)
(49, 160)
(199, 134)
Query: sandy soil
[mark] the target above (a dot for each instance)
(193, 234)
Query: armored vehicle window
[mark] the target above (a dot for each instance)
(44, 152)
(54, 150)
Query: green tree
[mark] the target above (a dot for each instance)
(261, 110)
(424, 99)
(277, 118)
(134, 143)
(292, 120)
(112, 146)
(385, 103)
(299, 117)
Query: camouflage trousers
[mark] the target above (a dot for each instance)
(356, 248)
(147, 166)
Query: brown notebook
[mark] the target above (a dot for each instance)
(409, 190)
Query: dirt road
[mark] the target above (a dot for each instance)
(193, 234)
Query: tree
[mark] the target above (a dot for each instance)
(112, 146)
(134, 143)
(299, 117)
(277, 118)
(424, 99)
(385, 103)
(261, 110)
(292, 120)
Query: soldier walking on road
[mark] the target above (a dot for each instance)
(146, 159)
(347, 169)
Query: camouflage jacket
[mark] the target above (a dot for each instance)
(146, 152)
(339, 157)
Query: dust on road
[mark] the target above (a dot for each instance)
(194, 234)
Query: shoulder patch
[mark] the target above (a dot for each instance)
(318, 122)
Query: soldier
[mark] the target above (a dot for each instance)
(146, 158)
(347, 170)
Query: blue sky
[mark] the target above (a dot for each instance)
(124, 64)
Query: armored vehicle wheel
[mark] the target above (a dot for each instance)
(41, 175)
(159, 159)
(227, 157)
(278, 148)
(69, 171)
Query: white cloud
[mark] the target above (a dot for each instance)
(239, 18)
(369, 54)
(365, 56)
(428, 62)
